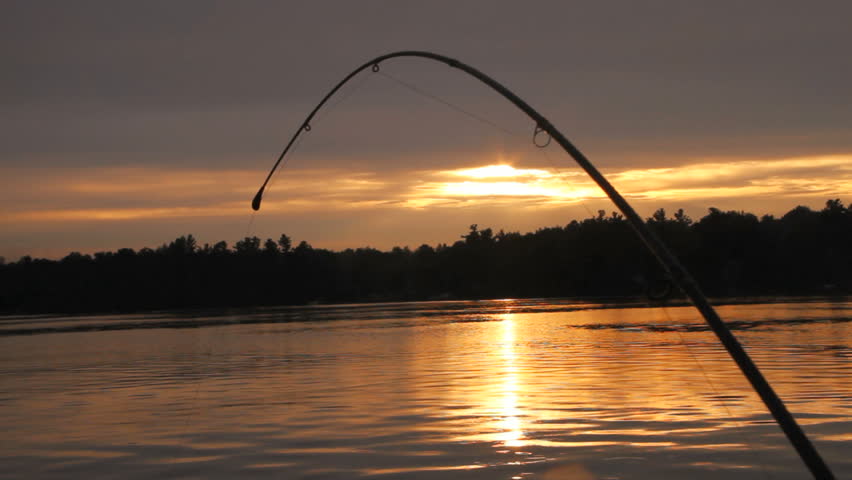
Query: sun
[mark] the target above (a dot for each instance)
(505, 180)
(486, 189)
(500, 171)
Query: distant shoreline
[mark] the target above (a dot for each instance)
(207, 317)
(730, 254)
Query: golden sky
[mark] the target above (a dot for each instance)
(129, 125)
(498, 195)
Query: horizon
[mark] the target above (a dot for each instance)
(201, 243)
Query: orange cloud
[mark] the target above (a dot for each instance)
(120, 194)
(814, 176)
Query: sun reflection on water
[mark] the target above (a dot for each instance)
(434, 390)
(512, 429)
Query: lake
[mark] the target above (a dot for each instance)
(504, 389)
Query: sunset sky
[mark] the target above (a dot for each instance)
(128, 124)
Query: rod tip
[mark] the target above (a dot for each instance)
(255, 203)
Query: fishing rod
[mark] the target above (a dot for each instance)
(679, 276)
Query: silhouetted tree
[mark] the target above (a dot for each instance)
(248, 246)
(270, 248)
(220, 248)
(182, 246)
(730, 253)
(284, 243)
(682, 218)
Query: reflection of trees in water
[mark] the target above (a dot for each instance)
(730, 253)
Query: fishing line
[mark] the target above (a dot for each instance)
(272, 180)
(717, 396)
(356, 86)
(545, 152)
(287, 160)
(250, 225)
(538, 131)
(665, 312)
(447, 103)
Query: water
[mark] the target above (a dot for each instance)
(445, 390)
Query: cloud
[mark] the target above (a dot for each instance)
(181, 82)
(743, 180)
(124, 194)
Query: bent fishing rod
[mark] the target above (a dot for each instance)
(680, 277)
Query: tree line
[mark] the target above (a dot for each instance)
(730, 253)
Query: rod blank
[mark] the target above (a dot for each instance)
(680, 276)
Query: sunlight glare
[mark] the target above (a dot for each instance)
(513, 434)
(499, 171)
(506, 180)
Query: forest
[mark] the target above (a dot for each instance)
(733, 253)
